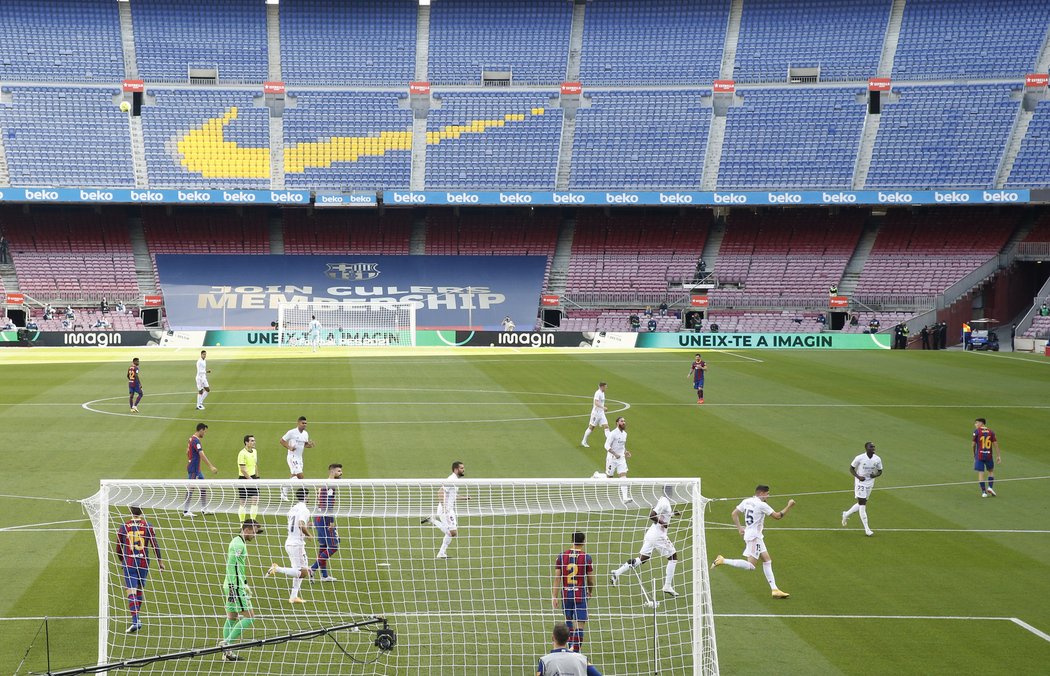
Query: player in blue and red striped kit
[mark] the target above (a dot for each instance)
(984, 442)
(134, 385)
(324, 523)
(697, 370)
(194, 455)
(135, 539)
(573, 584)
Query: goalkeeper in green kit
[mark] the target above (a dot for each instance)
(239, 614)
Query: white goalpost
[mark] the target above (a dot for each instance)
(485, 609)
(347, 323)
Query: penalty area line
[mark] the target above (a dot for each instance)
(888, 488)
(729, 526)
(964, 618)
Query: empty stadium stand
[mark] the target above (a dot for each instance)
(970, 38)
(346, 232)
(190, 136)
(492, 232)
(498, 140)
(206, 230)
(942, 137)
(528, 39)
(71, 253)
(925, 253)
(798, 138)
(173, 36)
(348, 140)
(843, 38)
(73, 40)
(59, 136)
(640, 251)
(796, 254)
(333, 42)
(1032, 167)
(642, 140)
(654, 42)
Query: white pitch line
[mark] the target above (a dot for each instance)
(38, 525)
(1044, 362)
(1021, 623)
(741, 356)
(729, 526)
(888, 488)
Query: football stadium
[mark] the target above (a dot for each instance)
(370, 267)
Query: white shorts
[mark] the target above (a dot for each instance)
(862, 490)
(449, 519)
(297, 556)
(202, 382)
(754, 548)
(599, 419)
(295, 464)
(656, 538)
(614, 465)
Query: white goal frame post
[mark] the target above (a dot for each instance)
(487, 608)
(378, 323)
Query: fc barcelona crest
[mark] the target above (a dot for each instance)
(352, 271)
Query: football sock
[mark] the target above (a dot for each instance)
(632, 563)
(982, 486)
(131, 400)
(576, 640)
(991, 481)
(254, 511)
(290, 572)
(226, 629)
(767, 568)
(625, 493)
(204, 396)
(138, 399)
(586, 434)
(864, 517)
(700, 393)
(740, 563)
(204, 499)
(238, 629)
(445, 542)
(852, 509)
(669, 578)
(240, 514)
(200, 399)
(296, 584)
(133, 605)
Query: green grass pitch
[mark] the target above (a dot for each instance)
(946, 586)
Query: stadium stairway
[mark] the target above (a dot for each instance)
(273, 42)
(422, 43)
(568, 136)
(713, 244)
(144, 273)
(276, 150)
(276, 227)
(855, 265)
(893, 36)
(417, 239)
(1013, 146)
(867, 146)
(138, 150)
(736, 12)
(5, 173)
(127, 40)
(418, 178)
(1042, 64)
(572, 69)
(559, 274)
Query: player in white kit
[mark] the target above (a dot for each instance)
(203, 388)
(616, 455)
(315, 333)
(656, 538)
(445, 518)
(755, 510)
(598, 409)
(295, 440)
(864, 468)
(295, 545)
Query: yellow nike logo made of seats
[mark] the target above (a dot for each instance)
(206, 151)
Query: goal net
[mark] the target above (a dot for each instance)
(378, 323)
(488, 608)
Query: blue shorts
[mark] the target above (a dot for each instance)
(194, 473)
(134, 389)
(134, 577)
(575, 611)
(698, 384)
(327, 537)
(983, 465)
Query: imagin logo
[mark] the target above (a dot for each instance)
(525, 339)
